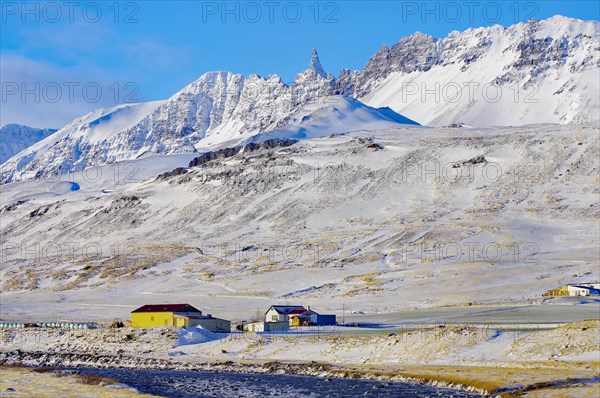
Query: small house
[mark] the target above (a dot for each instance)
(298, 316)
(559, 291)
(207, 322)
(281, 313)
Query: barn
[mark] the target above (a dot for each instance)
(178, 315)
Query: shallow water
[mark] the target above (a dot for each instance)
(187, 384)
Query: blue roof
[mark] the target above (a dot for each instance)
(592, 290)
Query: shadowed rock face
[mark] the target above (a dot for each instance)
(251, 147)
(417, 52)
(176, 172)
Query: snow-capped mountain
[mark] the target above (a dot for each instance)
(223, 108)
(218, 109)
(534, 72)
(15, 137)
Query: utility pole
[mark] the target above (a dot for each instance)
(343, 313)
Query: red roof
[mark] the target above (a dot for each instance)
(167, 308)
(298, 311)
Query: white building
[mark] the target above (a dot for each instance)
(297, 315)
(259, 327)
(281, 313)
(584, 289)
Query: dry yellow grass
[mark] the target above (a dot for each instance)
(526, 379)
(23, 382)
(136, 263)
(589, 391)
(571, 339)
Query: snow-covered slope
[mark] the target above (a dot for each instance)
(535, 72)
(327, 116)
(15, 137)
(376, 220)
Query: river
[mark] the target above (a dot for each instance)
(187, 384)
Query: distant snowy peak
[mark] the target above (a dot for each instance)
(560, 26)
(16, 137)
(90, 140)
(313, 83)
(219, 105)
(555, 39)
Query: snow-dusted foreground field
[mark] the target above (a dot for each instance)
(26, 383)
(475, 357)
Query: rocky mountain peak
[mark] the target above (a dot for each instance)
(315, 64)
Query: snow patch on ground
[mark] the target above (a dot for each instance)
(196, 335)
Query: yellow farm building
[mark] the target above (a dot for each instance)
(178, 315)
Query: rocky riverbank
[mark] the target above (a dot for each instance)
(74, 360)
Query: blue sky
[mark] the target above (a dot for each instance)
(147, 50)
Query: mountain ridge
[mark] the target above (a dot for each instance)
(521, 63)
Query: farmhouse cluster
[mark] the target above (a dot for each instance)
(277, 317)
(576, 289)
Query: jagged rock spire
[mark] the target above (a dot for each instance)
(315, 64)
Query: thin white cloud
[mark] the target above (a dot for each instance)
(40, 94)
(50, 82)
